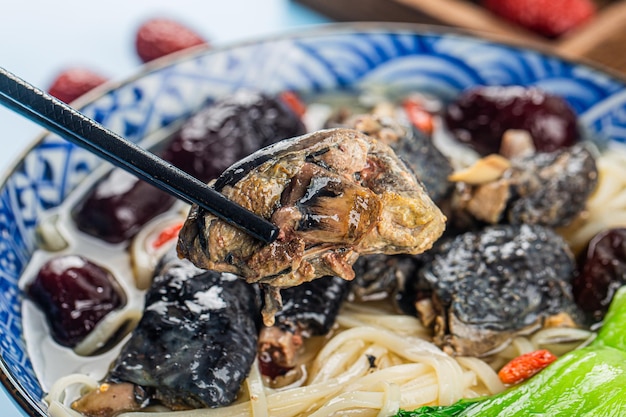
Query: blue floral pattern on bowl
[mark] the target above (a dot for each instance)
(400, 57)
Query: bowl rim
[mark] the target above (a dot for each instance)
(31, 408)
(309, 32)
(26, 404)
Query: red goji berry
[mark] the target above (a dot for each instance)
(524, 366)
(166, 235)
(418, 116)
(292, 101)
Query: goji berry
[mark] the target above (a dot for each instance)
(418, 116)
(166, 235)
(524, 366)
(292, 100)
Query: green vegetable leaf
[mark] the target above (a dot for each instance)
(613, 332)
(438, 411)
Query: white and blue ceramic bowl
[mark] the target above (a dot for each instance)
(327, 59)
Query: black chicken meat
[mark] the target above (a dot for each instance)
(492, 285)
(193, 347)
(334, 194)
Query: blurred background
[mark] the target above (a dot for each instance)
(40, 39)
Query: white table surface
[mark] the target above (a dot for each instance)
(39, 38)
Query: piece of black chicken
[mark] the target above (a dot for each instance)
(488, 286)
(335, 194)
(193, 347)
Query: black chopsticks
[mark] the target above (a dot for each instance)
(77, 128)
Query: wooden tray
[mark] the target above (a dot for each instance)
(602, 40)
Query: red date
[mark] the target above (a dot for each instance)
(602, 272)
(74, 294)
(480, 116)
(207, 143)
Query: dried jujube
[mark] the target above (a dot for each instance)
(602, 272)
(207, 143)
(480, 116)
(75, 294)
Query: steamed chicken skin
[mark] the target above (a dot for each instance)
(414, 146)
(193, 347)
(334, 194)
(491, 285)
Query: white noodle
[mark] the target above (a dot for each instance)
(555, 335)
(57, 397)
(256, 391)
(106, 328)
(606, 207)
(484, 373)
(522, 345)
(364, 370)
(391, 403)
